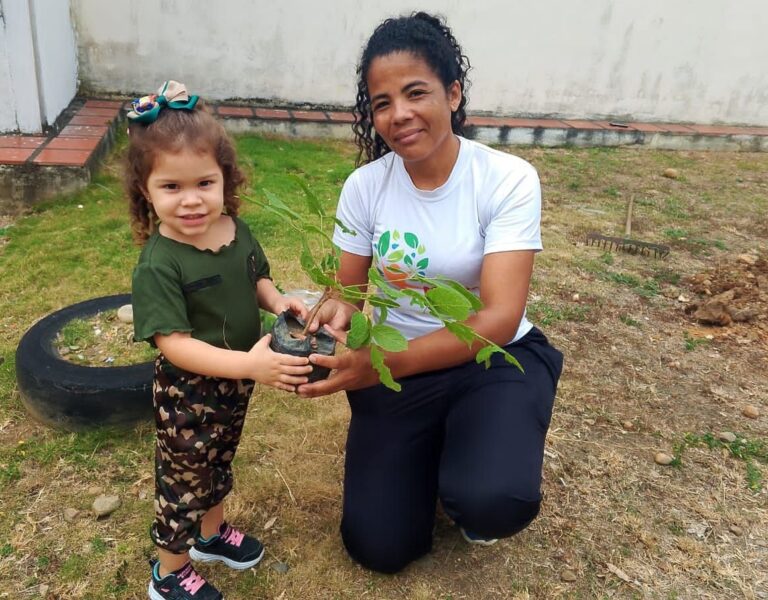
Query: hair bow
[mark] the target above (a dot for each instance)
(171, 94)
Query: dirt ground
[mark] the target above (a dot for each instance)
(663, 356)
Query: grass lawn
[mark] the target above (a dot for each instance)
(642, 376)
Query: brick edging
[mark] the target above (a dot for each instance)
(88, 133)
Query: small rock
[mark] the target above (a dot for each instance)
(95, 490)
(745, 315)
(589, 421)
(143, 495)
(736, 530)
(43, 590)
(80, 206)
(63, 351)
(70, 514)
(628, 425)
(567, 575)
(575, 297)
(671, 173)
(750, 411)
(747, 259)
(270, 523)
(280, 567)
(683, 298)
(87, 548)
(125, 313)
(106, 505)
(663, 458)
(674, 364)
(726, 436)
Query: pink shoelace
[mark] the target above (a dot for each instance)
(233, 536)
(190, 580)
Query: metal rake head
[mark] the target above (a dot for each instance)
(617, 244)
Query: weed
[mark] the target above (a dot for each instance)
(749, 451)
(627, 320)
(676, 234)
(545, 314)
(6, 550)
(675, 209)
(692, 343)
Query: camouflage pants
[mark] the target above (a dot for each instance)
(199, 421)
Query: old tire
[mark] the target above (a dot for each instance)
(74, 397)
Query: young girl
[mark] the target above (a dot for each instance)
(197, 290)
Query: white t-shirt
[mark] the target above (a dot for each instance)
(490, 203)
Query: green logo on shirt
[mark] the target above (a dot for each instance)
(400, 258)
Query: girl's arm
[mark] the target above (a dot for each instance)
(504, 283)
(260, 363)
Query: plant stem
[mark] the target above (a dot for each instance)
(327, 294)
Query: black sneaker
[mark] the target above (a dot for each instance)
(232, 547)
(184, 584)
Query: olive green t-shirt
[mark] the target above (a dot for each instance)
(211, 295)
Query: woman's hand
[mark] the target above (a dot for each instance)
(352, 370)
(335, 314)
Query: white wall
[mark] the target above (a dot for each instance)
(56, 56)
(38, 63)
(22, 109)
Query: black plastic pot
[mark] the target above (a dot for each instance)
(319, 342)
(75, 397)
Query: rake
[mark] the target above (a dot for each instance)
(625, 244)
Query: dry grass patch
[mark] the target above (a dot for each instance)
(641, 376)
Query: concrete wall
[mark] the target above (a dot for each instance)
(688, 60)
(38, 63)
(56, 56)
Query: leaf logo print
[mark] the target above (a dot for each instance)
(399, 262)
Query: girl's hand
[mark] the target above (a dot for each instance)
(292, 303)
(282, 371)
(352, 371)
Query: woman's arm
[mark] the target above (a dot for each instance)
(504, 281)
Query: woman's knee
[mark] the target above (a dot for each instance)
(383, 551)
(495, 514)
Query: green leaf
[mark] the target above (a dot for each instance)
(473, 300)
(276, 203)
(416, 297)
(359, 331)
(511, 359)
(411, 240)
(389, 338)
(383, 245)
(382, 303)
(385, 375)
(313, 203)
(396, 255)
(447, 301)
(423, 263)
(343, 227)
(421, 249)
(396, 235)
(408, 260)
(465, 333)
(485, 355)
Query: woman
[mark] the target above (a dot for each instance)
(427, 200)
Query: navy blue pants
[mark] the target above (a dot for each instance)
(470, 437)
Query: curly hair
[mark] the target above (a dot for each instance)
(173, 131)
(429, 38)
